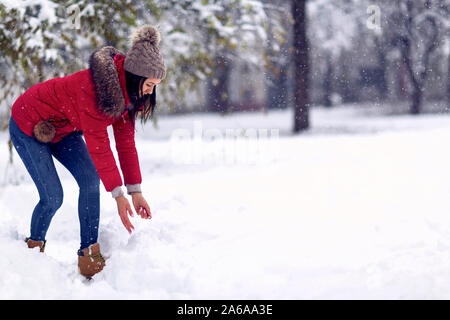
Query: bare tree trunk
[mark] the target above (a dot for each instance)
(301, 65)
(327, 86)
(417, 84)
(218, 98)
(418, 79)
(402, 90)
(383, 86)
(410, 43)
(417, 98)
(448, 78)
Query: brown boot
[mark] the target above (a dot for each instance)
(90, 260)
(33, 244)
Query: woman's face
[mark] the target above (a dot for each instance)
(149, 84)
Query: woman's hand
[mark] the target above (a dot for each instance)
(141, 206)
(124, 208)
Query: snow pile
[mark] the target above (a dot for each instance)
(356, 208)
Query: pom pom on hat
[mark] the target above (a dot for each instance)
(146, 33)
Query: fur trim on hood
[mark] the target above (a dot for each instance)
(109, 95)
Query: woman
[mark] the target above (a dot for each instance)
(49, 119)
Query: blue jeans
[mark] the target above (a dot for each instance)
(72, 153)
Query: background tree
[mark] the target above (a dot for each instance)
(41, 40)
(301, 65)
(416, 29)
(278, 58)
(202, 37)
(332, 29)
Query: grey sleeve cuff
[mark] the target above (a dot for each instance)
(117, 192)
(131, 188)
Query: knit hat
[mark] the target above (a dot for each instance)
(144, 58)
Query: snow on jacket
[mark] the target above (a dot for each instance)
(89, 101)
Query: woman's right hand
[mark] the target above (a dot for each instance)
(124, 208)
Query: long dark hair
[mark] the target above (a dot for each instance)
(142, 106)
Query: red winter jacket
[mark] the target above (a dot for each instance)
(89, 100)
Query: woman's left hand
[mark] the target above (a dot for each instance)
(141, 206)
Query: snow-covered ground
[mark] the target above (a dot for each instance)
(356, 208)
